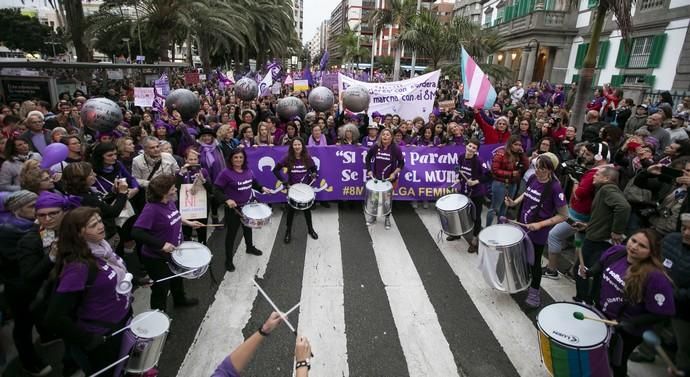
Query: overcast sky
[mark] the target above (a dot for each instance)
(316, 11)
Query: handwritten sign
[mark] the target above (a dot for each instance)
(192, 205)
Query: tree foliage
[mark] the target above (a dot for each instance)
(26, 33)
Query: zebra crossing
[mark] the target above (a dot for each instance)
(374, 302)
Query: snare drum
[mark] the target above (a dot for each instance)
(301, 196)
(456, 213)
(190, 256)
(572, 347)
(503, 258)
(256, 215)
(378, 198)
(149, 330)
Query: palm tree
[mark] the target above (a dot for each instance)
(75, 25)
(621, 9)
(402, 14)
(349, 44)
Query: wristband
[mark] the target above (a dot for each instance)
(261, 331)
(303, 363)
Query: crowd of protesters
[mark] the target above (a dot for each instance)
(619, 190)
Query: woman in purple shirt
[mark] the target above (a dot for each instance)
(543, 206)
(635, 290)
(159, 229)
(426, 138)
(299, 168)
(236, 184)
(85, 307)
(384, 160)
(455, 134)
(317, 139)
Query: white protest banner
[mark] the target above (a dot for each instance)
(143, 97)
(192, 206)
(407, 98)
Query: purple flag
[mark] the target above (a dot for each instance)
(308, 77)
(275, 68)
(324, 60)
(223, 81)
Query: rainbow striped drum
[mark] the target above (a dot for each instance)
(571, 347)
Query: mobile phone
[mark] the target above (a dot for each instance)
(570, 221)
(673, 173)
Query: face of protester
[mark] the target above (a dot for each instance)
(27, 212)
(541, 113)
(21, 147)
(654, 121)
(386, 137)
(676, 122)
(46, 182)
(192, 158)
(501, 125)
(129, 146)
(237, 161)
(224, 118)
(638, 248)
(388, 120)
(524, 126)
(471, 150)
(35, 123)
(248, 133)
(544, 146)
(543, 174)
(685, 231)
(291, 130)
(147, 117)
(206, 139)
(247, 118)
(570, 132)
(644, 153)
(428, 133)
(321, 123)
(153, 148)
(94, 231)
(297, 146)
(348, 134)
(516, 147)
(373, 132)
(49, 218)
(161, 132)
(316, 132)
(110, 158)
(398, 137)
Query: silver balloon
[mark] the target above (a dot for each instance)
(356, 98)
(289, 107)
(246, 88)
(321, 98)
(184, 101)
(101, 114)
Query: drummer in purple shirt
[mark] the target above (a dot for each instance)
(299, 168)
(635, 291)
(384, 161)
(543, 206)
(473, 176)
(236, 184)
(159, 230)
(85, 307)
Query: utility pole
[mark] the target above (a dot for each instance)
(129, 51)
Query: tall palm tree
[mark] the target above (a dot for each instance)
(622, 10)
(401, 13)
(349, 44)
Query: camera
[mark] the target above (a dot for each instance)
(574, 167)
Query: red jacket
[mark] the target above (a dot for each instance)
(583, 196)
(502, 168)
(491, 135)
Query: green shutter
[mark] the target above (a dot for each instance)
(603, 54)
(592, 3)
(657, 52)
(623, 54)
(649, 81)
(509, 13)
(581, 53)
(617, 80)
(576, 78)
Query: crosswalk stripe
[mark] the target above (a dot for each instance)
(426, 349)
(512, 329)
(322, 316)
(221, 329)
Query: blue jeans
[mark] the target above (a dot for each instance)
(499, 190)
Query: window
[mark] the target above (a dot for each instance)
(643, 52)
(651, 4)
(641, 49)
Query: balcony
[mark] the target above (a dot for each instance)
(535, 21)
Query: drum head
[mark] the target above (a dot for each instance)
(558, 323)
(191, 255)
(150, 324)
(501, 235)
(452, 202)
(378, 186)
(256, 211)
(301, 192)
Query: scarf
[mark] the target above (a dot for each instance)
(103, 251)
(207, 151)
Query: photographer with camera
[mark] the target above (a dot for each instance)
(594, 157)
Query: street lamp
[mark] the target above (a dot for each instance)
(129, 51)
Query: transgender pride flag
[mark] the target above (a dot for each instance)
(478, 92)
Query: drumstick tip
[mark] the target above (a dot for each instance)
(578, 315)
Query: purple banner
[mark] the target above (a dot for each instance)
(428, 172)
(330, 80)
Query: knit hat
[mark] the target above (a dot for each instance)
(19, 199)
(552, 158)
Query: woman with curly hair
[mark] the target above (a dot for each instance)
(34, 178)
(348, 135)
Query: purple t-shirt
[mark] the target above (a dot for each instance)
(385, 160)
(298, 173)
(368, 142)
(164, 222)
(100, 301)
(472, 169)
(530, 203)
(457, 140)
(658, 291)
(236, 186)
(226, 369)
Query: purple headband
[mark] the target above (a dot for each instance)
(47, 199)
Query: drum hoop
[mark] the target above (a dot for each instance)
(138, 336)
(603, 342)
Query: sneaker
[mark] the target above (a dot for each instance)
(549, 273)
(425, 204)
(533, 299)
(39, 371)
(388, 223)
(415, 205)
(254, 251)
(371, 222)
(641, 357)
(48, 340)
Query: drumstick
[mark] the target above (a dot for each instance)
(282, 315)
(580, 316)
(287, 313)
(109, 366)
(505, 219)
(213, 225)
(174, 276)
(653, 340)
(133, 323)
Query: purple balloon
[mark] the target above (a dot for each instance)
(54, 153)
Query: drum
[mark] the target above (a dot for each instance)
(378, 198)
(149, 330)
(256, 215)
(503, 258)
(190, 256)
(456, 213)
(301, 196)
(572, 347)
